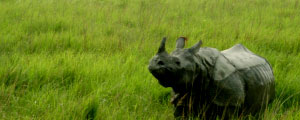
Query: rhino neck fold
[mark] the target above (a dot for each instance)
(197, 82)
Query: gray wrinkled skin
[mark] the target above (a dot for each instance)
(207, 82)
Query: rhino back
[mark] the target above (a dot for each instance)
(242, 58)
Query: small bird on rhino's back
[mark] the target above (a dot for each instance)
(207, 82)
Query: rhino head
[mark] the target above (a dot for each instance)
(178, 69)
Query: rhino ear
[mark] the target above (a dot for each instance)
(180, 43)
(196, 47)
(162, 48)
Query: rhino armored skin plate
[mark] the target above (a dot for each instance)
(207, 82)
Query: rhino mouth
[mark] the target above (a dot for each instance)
(164, 76)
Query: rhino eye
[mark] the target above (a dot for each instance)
(177, 63)
(160, 63)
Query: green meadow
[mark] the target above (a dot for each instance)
(87, 59)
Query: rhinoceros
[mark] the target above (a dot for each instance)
(208, 82)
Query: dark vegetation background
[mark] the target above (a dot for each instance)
(72, 59)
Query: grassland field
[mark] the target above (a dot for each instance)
(78, 59)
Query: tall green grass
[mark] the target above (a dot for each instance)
(71, 59)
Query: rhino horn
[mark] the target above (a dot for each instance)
(196, 47)
(162, 48)
(180, 43)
